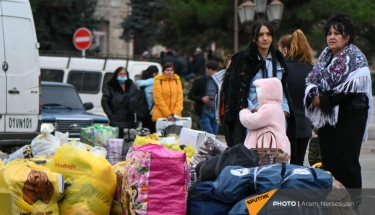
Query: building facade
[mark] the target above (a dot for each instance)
(106, 38)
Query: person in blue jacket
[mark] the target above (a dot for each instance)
(147, 83)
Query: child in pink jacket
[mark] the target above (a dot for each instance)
(269, 116)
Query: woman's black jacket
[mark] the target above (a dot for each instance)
(235, 90)
(116, 103)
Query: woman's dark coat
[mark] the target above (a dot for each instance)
(296, 85)
(235, 90)
(117, 104)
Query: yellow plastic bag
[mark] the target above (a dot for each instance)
(175, 147)
(189, 150)
(155, 136)
(29, 188)
(90, 181)
(142, 140)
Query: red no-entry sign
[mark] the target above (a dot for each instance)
(82, 39)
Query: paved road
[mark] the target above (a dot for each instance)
(367, 160)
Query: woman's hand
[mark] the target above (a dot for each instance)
(170, 118)
(316, 101)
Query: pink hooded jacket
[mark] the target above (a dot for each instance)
(269, 117)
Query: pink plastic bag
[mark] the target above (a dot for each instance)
(155, 181)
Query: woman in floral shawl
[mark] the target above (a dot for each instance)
(338, 101)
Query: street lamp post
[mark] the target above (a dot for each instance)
(247, 10)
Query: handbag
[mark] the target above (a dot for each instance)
(270, 154)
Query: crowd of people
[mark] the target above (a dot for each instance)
(333, 97)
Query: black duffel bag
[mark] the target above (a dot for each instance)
(237, 155)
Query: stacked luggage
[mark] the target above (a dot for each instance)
(227, 179)
(147, 174)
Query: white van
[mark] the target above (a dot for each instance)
(19, 76)
(89, 75)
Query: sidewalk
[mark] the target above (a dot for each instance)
(368, 146)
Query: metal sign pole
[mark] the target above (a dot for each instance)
(83, 53)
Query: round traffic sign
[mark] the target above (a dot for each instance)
(82, 39)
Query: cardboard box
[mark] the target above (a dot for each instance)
(194, 138)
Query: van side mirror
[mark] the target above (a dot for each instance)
(88, 105)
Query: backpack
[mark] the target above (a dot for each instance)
(237, 155)
(139, 104)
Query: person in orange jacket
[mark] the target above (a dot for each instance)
(168, 95)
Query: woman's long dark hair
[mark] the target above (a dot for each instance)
(254, 35)
(149, 72)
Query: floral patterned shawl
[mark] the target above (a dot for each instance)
(347, 72)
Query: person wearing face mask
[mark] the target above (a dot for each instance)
(116, 100)
(168, 95)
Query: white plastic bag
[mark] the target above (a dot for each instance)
(168, 140)
(99, 151)
(77, 144)
(16, 154)
(63, 137)
(45, 143)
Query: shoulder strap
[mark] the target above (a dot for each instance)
(152, 106)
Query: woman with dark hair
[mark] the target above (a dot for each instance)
(168, 95)
(146, 84)
(338, 101)
(298, 53)
(116, 100)
(259, 60)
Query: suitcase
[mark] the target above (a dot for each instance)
(162, 123)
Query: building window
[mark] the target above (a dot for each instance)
(85, 81)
